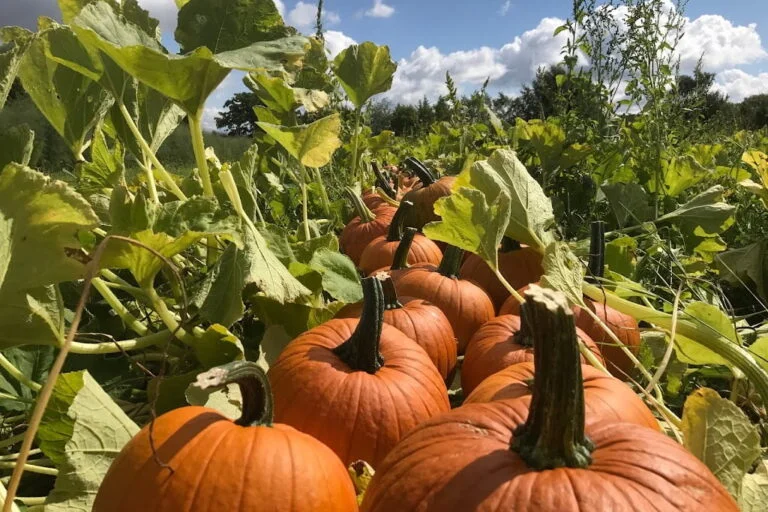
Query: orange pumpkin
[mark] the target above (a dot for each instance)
(193, 458)
(381, 251)
(540, 453)
(424, 197)
(518, 264)
(465, 304)
(421, 321)
(364, 228)
(500, 343)
(357, 386)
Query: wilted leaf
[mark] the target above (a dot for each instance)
(364, 70)
(563, 271)
(313, 144)
(717, 432)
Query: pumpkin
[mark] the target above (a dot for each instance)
(541, 454)
(518, 264)
(357, 386)
(193, 459)
(381, 251)
(500, 343)
(364, 228)
(465, 304)
(424, 197)
(400, 258)
(421, 321)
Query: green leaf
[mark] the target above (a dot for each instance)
(754, 489)
(304, 251)
(719, 434)
(273, 92)
(703, 216)
(31, 317)
(219, 297)
(34, 362)
(469, 222)
(217, 346)
(129, 213)
(72, 102)
(563, 271)
(340, 277)
(531, 217)
(16, 145)
(223, 25)
(82, 432)
(620, 255)
(629, 202)
(39, 223)
(759, 350)
(197, 214)
(106, 168)
(708, 317)
(364, 71)
(228, 400)
(747, 265)
(680, 174)
(10, 59)
(313, 144)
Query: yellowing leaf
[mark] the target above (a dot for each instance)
(708, 317)
(563, 271)
(717, 432)
(313, 144)
(364, 70)
(361, 474)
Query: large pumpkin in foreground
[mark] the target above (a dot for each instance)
(204, 462)
(357, 386)
(538, 455)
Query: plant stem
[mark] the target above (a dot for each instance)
(13, 456)
(400, 259)
(147, 167)
(450, 265)
(31, 468)
(305, 212)
(355, 155)
(254, 388)
(365, 214)
(165, 175)
(113, 347)
(168, 318)
(198, 147)
(32, 501)
(118, 307)
(361, 351)
(519, 298)
(395, 231)
(323, 192)
(17, 374)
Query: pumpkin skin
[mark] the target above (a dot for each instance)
(424, 199)
(462, 461)
(358, 233)
(606, 398)
(357, 386)
(219, 465)
(494, 347)
(519, 267)
(425, 324)
(465, 304)
(380, 253)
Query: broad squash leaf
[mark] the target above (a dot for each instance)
(364, 70)
(16, 145)
(312, 144)
(758, 161)
(629, 202)
(708, 317)
(754, 489)
(747, 265)
(10, 59)
(217, 346)
(340, 277)
(563, 271)
(34, 362)
(31, 317)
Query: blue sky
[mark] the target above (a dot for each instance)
(504, 40)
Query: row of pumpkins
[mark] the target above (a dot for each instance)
(371, 385)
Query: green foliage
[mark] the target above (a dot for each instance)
(364, 71)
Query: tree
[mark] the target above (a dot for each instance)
(754, 112)
(238, 117)
(379, 116)
(405, 120)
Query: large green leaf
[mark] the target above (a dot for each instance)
(82, 432)
(33, 362)
(16, 145)
(31, 317)
(531, 218)
(340, 277)
(220, 295)
(223, 25)
(629, 202)
(217, 346)
(746, 266)
(705, 215)
(72, 102)
(680, 174)
(754, 489)
(469, 222)
(313, 144)
(196, 214)
(719, 434)
(708, 317)
(364, 70)
(107, 166)
(39, 222)
(10, 59)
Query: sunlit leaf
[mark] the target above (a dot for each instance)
(31, 317)
(340, 277)
(313, 144)
(712, 318)
(364, 70)
(563, 271)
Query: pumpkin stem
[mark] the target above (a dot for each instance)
(451, 262)
(395, 233)
(254, 388)
(596, 252)
(382, 182)
(361, 351)
(553, 435)
(365, 214)
(391, 300)
(509, 244)
(400, 259)
(420, 170)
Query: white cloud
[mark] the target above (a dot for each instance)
(380, 10)
(722, 44)
(165, 11)
(304, 15)
(505, 7)
(336, 41)
(738, 84)
(209, 118)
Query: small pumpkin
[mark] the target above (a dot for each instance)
(421, 321)
(465, 304)
(381, 250)
(424, 197)
(400, 259)
(364, 228)
(357, 386)
(193, 458)
(541, 454)
(500, 343)
(520, 265)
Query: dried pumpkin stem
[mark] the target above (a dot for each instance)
(553, 435)
(420, 170)
(451, 262)
(254, 388)
(596, 263)
(400, 259)
(382, 182)
(361, 351)
(395, 232)
(362, 211)
(391, 301)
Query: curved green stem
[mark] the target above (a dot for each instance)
(400, 259)
(114, 347)
(450, 265)
(690, 328)
(118, 307)
(168, 318)
(361, 351)
(323, 192)
(198, 147)
(395, 232)
(147, 168)
(31, 468)
(305, 212)
(32, 501)
(365, 214)
(254, 388)
(17, 374)
(553, 435)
